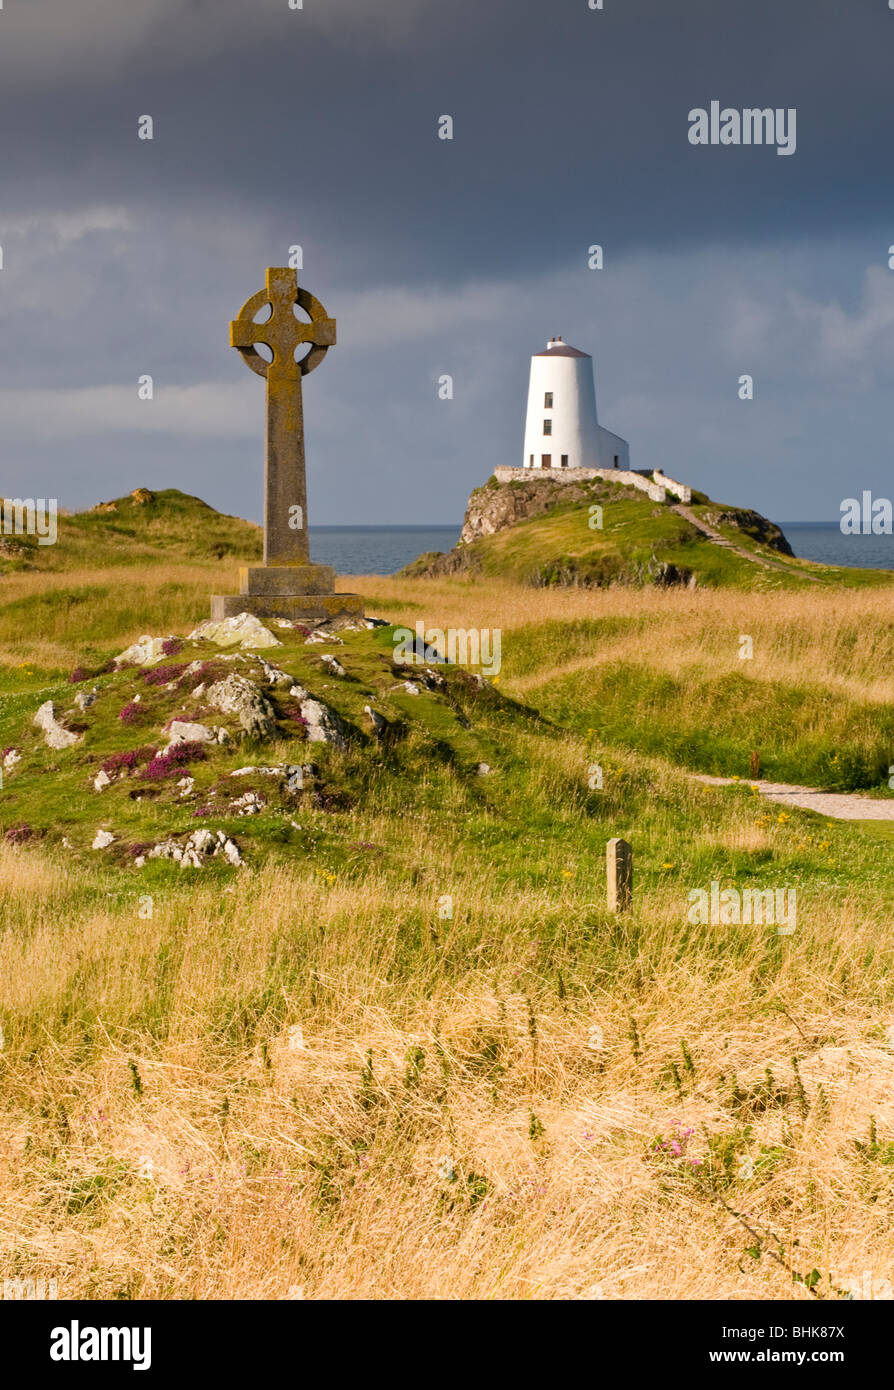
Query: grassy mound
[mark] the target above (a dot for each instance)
(547, 534)
(143, 526)
(50, 794)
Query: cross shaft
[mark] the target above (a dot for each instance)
(285, 480)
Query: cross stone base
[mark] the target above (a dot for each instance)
(301, 593)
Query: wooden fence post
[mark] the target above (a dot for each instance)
(619, 866)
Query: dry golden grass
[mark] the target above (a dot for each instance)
(843, 639)
(49, 620)
(254, 1159)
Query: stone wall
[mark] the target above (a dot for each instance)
(678, 489)
(576, 475)
(656, 486)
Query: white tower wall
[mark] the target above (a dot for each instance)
(576, 439)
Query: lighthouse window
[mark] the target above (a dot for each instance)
(547, 427)
(564, 460)
(548, 400)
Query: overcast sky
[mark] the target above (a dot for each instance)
(319, 126)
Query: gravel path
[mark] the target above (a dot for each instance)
(837, 805)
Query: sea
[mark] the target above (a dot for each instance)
(824, 542)
(377, 549)
(385, 549)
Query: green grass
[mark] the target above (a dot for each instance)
(875, 829)
(713, 724)
(171, 524)
(638, 540)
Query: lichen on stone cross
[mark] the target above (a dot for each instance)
(285, 481)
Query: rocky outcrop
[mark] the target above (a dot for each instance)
(273, 675)
(144, 651)
(139, 497)
(54, 734)
(323, 724)
(495, 506)
(195, 852)
(244, 630)
(185, 731)
(240, 696)
(751, 524)
(291, 775)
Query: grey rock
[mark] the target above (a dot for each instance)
(323, 724)
(166, 849)
(231, 851)
(273, 675)
(144, 652)
(54, 734)
(201, 846)
(244, 629)
(182, 731)
(240, 696)
(291, 775)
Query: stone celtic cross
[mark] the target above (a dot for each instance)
(287, 584)
(285, 479)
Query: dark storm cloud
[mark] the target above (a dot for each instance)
(570, 123)
(319, 126)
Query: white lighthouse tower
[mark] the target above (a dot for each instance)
(561, 430)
